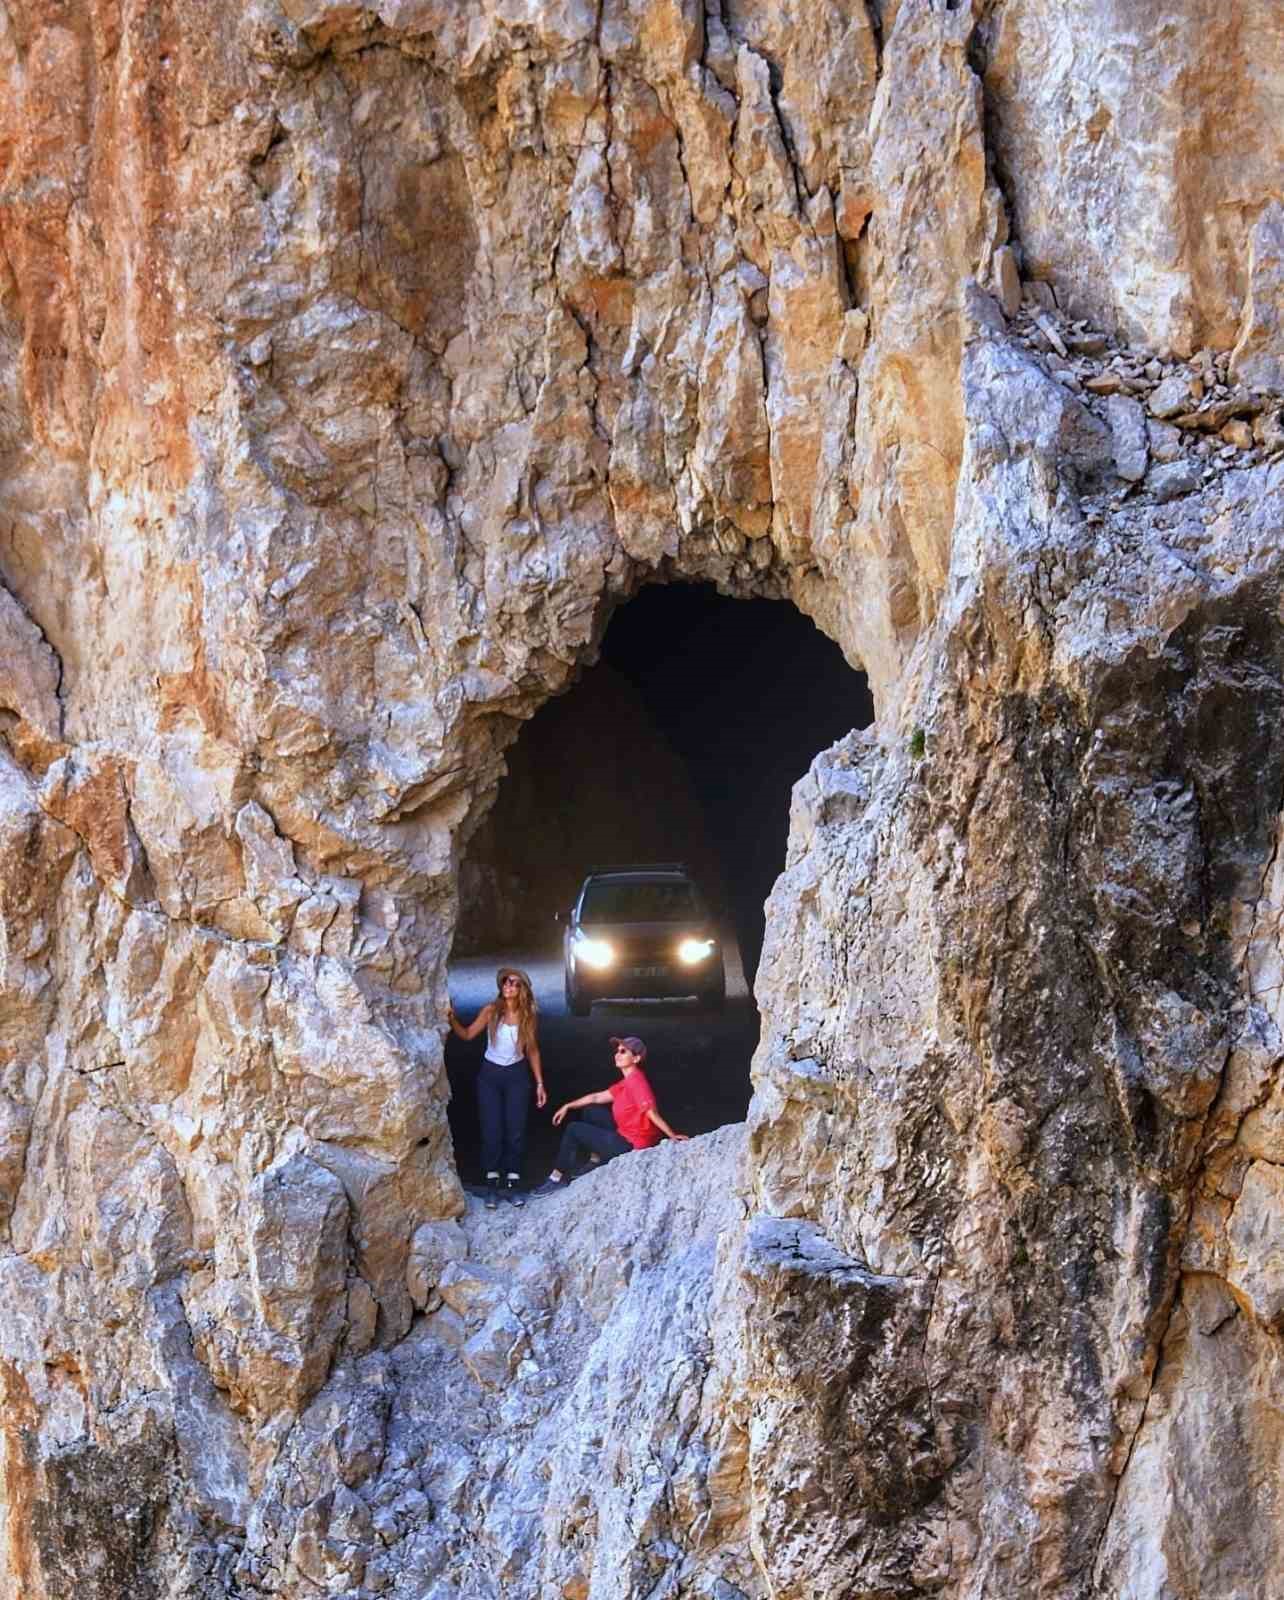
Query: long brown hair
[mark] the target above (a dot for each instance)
(527, 1010)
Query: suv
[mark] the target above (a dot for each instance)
(641, 932)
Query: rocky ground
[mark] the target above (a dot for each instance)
(533, 1431)
(1174, 424)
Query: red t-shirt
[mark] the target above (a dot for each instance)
(631, 1099)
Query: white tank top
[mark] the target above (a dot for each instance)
(504, 1049)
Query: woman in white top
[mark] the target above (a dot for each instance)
(504, 1079)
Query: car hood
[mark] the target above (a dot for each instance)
(652, 932)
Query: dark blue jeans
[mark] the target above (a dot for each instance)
(590, 1131)
(503, 1103)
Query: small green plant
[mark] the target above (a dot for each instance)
(918, 744)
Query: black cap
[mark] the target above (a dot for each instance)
(632, 1044)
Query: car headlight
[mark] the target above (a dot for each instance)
(594, 953)
(691, 951)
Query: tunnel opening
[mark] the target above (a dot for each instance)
(680, 745)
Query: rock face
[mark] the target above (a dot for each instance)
(355, 361)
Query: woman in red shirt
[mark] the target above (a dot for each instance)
(632, 1123)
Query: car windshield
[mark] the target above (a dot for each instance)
(639, 902)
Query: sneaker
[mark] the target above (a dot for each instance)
(516, 1195)
(492, 1191)
(547, 1187)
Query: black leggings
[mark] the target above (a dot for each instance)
(592, 1131)
(503, 1104)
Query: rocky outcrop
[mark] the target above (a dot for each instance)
(355, 362)
(1162, 220)
(1025, 1067)
(542, 1428)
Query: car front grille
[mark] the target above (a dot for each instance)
(651, 953)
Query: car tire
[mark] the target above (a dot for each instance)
(577, 1002)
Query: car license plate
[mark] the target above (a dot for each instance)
(648, 972)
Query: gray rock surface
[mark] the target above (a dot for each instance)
(1171, 481)
(1171, 397)
(1128, 428)
(356, 361)
(552, 1426)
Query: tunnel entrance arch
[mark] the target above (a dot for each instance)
(680, 743)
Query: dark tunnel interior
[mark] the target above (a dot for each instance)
(682, 743)
(745, 692)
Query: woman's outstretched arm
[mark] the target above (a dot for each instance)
(663, 1126)
(602, 1098)
(473, 1028)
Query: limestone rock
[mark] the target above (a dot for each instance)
(1128, 427)
(1256, 1236)
(1164, 441)
(584, 1330)
(1255, 358)
(298, 1229)
(1170, 397)
(434, 1246)
(1268, 431)
(494, 1352)
(1070, 128)
(473, 1289)
(828, 1329)
(1173, 479)
(1007, 280)
(1261, 1133)
(270, 880)
(30, 674)
(357, 360)
(15, 1128)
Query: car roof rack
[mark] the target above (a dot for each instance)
(638, 866)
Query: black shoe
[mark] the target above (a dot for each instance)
(516, 1194)
(492, 1191)
(548, 1187)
